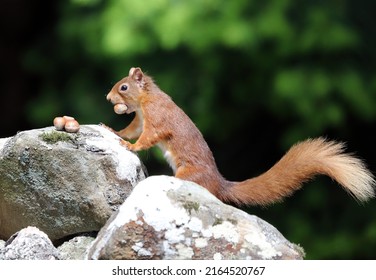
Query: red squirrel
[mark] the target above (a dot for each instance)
(159, 121)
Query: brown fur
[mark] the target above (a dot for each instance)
(159, 121)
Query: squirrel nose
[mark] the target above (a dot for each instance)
(108, 97)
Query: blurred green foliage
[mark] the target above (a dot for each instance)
(255, 76)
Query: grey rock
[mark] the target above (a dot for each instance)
(29, 244)
(64, 183)
(167, 218)
(76, 248)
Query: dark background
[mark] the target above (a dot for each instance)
(255, 77)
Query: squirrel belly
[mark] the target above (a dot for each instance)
(159, 121)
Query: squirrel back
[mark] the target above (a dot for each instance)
(159, 121)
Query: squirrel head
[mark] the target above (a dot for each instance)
(128, 91)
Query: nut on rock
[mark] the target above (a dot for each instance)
(69, 124)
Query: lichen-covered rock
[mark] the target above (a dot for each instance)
(29, 244)
(63, 183)
(167, 218)
(76, 248)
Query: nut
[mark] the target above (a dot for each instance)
(68, 118)
(72, 126)
(59, 123)
(120, 109)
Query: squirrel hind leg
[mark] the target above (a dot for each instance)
(213, 182)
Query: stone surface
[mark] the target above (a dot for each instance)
(29, 244)
(76, 248)
(63, 183)
(166, 218)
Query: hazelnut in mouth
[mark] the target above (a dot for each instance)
(120, 109)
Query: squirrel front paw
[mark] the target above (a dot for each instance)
(126, 144)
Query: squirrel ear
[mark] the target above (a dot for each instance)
(136, 74)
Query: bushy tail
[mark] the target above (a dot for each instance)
(301, 163)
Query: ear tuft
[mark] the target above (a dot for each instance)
(136, 74)
(131, 71)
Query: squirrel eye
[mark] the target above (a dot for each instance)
(123, 87)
